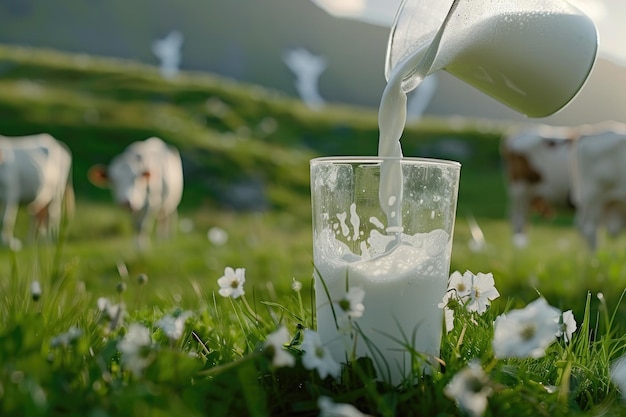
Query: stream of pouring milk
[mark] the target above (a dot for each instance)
(404, 276)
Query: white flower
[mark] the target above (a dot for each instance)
(482, 292)
(231, 284)
(461, 284)
(275, 344)
(317, 356)
(351, 306)
(67, 338)
(449, 319)
(447, 311)
(133, 347)
(217, 236)
(567, 326)
(172, 326)
(137, 337)
(475, 292)
(111, 311)
(444, 301)
(526, 332)
(296, 285)
(618, 374)
(328, 408)
(470, 388)
(352, 302)
(35, 290)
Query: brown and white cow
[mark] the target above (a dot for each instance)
(35, 171)
(599, 181)
(536, 160)
(147, 179)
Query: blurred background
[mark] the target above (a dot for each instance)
(250, 91)
(246, 40)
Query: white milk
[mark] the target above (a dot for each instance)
(400, 286)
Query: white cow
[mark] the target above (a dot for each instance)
(35, 171)
(599, 181)
(147, 179)
(537, 166)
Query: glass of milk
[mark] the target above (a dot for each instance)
(399, 255)
(532, 55)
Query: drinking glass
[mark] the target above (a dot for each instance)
(401, 270)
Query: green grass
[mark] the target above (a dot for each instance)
(218, 366)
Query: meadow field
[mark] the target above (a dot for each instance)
(71, 348)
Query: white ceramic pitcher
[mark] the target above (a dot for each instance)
(532, 55)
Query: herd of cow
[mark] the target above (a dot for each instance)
(579, 168)
(36, 172)
(548, 168)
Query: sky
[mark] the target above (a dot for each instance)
(608, 16)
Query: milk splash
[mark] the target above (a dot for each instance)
(403, 283)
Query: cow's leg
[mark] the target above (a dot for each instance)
(590, 233)
(166, 224)
(172, 224)
(143, 224)
(55, 214)
(614, 218)
(518, 207)
(588, 221)
(9, 216)
(162, 224)
(38, 223)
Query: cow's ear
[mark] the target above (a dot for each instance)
(97, 175)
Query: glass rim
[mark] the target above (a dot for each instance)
(378, 159)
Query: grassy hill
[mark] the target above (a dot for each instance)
(244, 147)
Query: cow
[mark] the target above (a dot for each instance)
(147, 179)
(598, 167)
(35, 172)
(536, 161)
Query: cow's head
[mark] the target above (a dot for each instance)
(127, 178)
